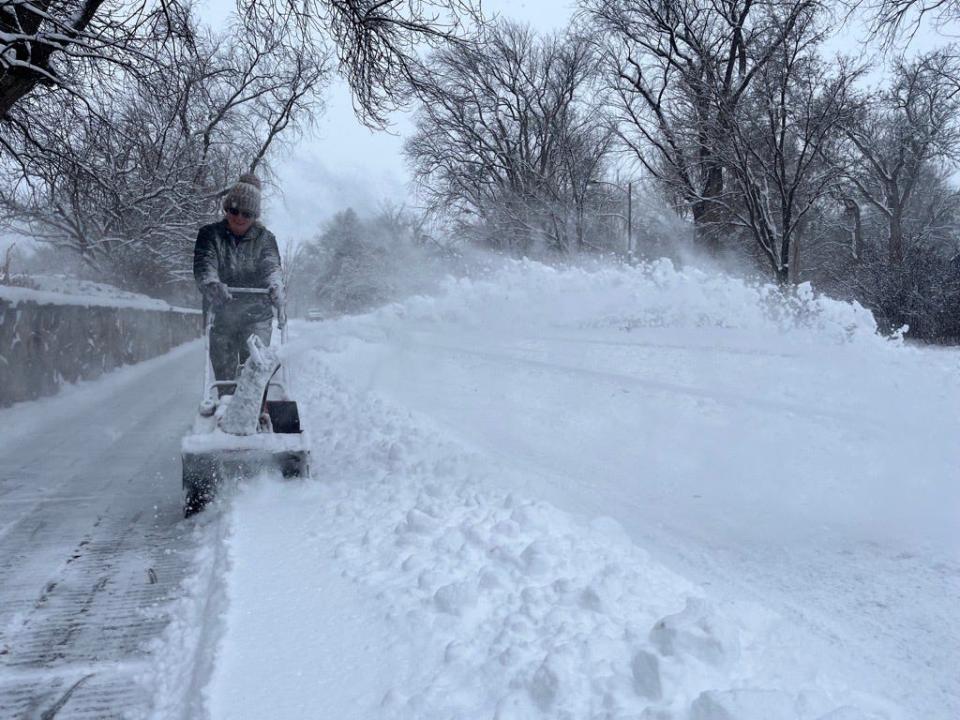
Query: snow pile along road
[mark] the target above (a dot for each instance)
(461, 601)
(611, 494)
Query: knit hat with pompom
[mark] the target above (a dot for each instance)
(245, 195)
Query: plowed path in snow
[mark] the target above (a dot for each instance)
(91, 538)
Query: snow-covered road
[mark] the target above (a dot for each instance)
(92, 543)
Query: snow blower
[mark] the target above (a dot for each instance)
(243, 426)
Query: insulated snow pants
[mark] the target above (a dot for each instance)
(228, 345)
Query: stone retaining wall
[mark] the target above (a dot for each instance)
(44, 345)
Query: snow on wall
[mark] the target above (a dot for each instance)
(90, 295)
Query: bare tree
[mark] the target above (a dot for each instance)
(898, 135)
(922, 291)
(894, 21)
(900, 204)
(126, 188)
(378, 42)
(504, 142)
(777, 140)
(46, 44)
(678, 71)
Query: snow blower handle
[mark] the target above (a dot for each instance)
(281, 309)
(248, 291)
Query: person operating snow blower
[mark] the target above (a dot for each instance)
(238, 251)
(246, 422)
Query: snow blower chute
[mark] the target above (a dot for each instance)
(238, 434)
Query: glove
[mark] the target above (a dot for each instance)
(277, 296)
(217, 292)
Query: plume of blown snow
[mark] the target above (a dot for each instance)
(649, 295)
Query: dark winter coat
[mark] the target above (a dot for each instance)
(250, 261)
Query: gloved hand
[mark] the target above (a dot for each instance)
(277, 296)
(217, 292)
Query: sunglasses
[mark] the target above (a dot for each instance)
(246, 215)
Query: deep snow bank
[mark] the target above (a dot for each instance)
(475, 603)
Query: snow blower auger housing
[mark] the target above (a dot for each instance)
(252, 426)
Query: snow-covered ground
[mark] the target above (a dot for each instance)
(627, 493)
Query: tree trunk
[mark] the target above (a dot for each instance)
(794, 267)
(17, 82)
(782, 274)
(14, 86)
(707, 216)
(851, 209)
(895, 243)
